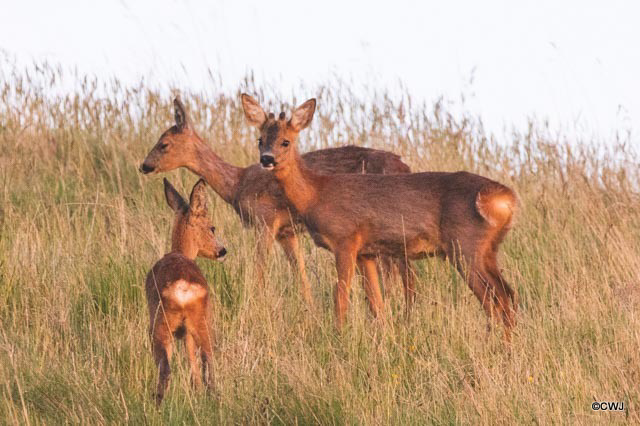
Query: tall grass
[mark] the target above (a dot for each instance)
(80, 227)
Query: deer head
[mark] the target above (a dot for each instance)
(177, 147)
(277, 136)
(193, 234)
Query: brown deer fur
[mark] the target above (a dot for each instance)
(177, 292)
(253, 192)
(460, 216)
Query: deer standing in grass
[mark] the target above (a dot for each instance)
(460, 216)
(253, 192)
(177, 292)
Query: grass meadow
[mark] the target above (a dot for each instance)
(80, 227)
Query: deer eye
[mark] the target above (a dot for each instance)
(285, 143)
(260, 142)
(164, 146)
(213, 229)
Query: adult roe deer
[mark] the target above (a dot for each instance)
(253, 192)
(460, 216)
(177, 292)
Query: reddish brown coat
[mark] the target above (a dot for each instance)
(177, 292)
(460, 216)
(253, 192)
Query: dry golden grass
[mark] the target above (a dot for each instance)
(80, 227)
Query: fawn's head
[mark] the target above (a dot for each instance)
(193, 234)
(277, 136)
(176, 147)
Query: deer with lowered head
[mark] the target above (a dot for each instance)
(177, 292)
(459, 216)
(253, 192)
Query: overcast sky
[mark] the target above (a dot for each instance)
(576, 63)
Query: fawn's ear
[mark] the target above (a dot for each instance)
(174, 199)
(303, 115)
(253, 111)
(198, 199)
(182, 120)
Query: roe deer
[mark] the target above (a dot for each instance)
(177, 292)
(253, 192)
(460, 216)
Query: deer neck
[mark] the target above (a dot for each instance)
(299, 182)
(220, 175)
(181, 245)
(184, 249)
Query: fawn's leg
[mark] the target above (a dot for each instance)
(290, 244)
(371, 286)
(162, 347)
(190, 344)
(205, 339)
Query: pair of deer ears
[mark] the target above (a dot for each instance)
(256, 116)
(197, 201)
(254, 113)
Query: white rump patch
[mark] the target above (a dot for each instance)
(183, 292)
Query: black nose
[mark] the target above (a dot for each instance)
(222, 252)
(267, 160)
(145, 168)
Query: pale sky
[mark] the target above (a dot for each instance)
(576, 63)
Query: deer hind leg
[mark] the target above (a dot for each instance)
(345, 265)
(493, 293)
(497, 206)
(409, 284)
(371, 286)
(506, 297)
(476, 279)
(204, 339)
(162, 348)
(290, 244)
(190, 344)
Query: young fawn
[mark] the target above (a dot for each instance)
(460, 216)
(177, 292)
(254, 193)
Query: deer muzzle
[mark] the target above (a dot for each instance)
(145, 168)
(268, 161)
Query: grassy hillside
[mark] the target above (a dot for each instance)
(80, 227)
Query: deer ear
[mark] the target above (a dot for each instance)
(198, 199)
(182, 120)
(303, 115)
(174, 199)
(253, 111)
